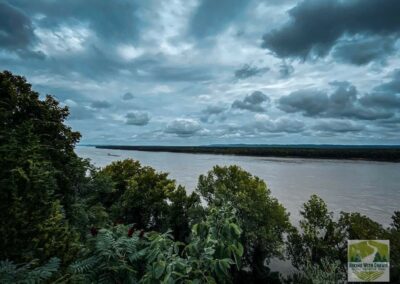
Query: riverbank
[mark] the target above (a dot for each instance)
(340, 152)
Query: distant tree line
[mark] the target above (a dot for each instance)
(64, 221)
(373, 153)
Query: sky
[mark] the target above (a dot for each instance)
(198, 72)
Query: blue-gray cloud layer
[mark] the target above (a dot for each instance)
(206, 72)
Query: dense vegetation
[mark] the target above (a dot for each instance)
(64, 221)
(372, 153)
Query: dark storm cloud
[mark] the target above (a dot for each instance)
(252, 102)
(183, 127)
(17, 32)
(309, 102)
(315, 26)
(16, 29)
(137, 118)
(386, 95)
(109, 19)
(128, 96)
(100, 104)
(338, 126)
(247, 71)
(342, 103)
(211, 17)
(364, 50)
(382, 100)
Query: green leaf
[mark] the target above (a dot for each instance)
(235, 228)
(159, 269)
(239, 249)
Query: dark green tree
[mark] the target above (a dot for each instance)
(317, 238)
(39, 174)
(377, 257)
(355, 226)
(148, 199)
(262, 218)
(394, 237)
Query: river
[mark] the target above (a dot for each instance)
(371, 188)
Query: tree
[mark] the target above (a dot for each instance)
(396, 221)
(263, 219)
(39, 174)
(25, 118)
(394, 237)
(359, 227)
(318, 237)
(148, 199)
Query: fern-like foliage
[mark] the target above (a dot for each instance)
(327, 272)
(114, 257)
(13, 273)
(213, 250)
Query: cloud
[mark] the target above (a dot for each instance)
(129, 52)
(338, 126)
(364, 50)
(188, 59)
(342, 103)
(247, 71)
(137, 118)
(64, 40)
(252, 102)
(211, 17)
(212, 111)
(264, 124)
(100, 104)
(183, 127)
(315, 26)
(17, 32)
(128, 96)
(393, 86)
(121, 24)
(285, 70)
(215, 109)
(281, 125)
(77, 111)
(309, 102)
(382, 100)
(178, 73)
(386, 95)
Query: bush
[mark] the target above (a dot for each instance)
(122, 255)
(11, 273)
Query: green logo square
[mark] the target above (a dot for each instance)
(368, 260)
